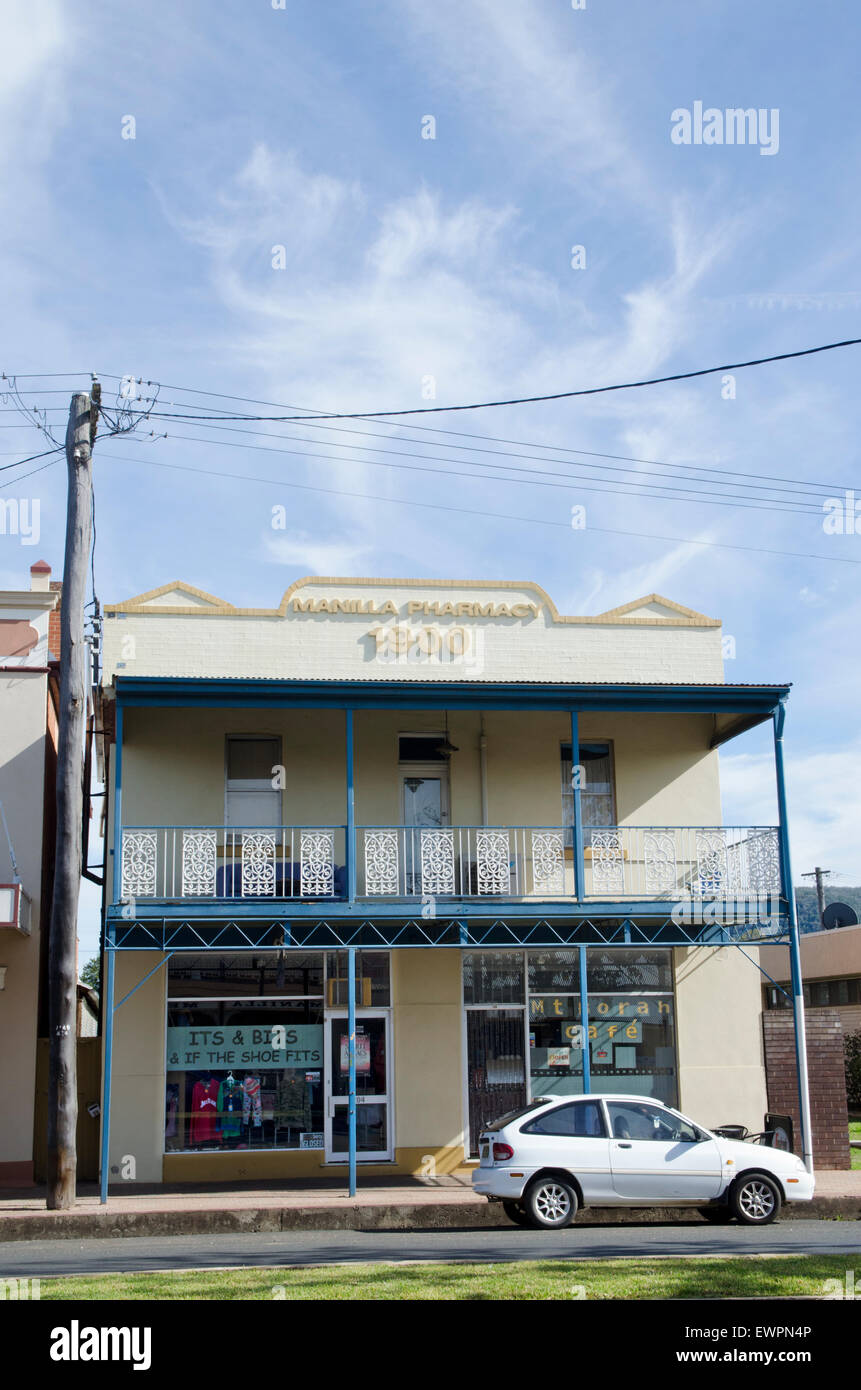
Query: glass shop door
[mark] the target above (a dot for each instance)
(374, 1139)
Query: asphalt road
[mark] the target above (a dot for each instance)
(44, 1258)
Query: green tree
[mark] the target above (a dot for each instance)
(90, 973)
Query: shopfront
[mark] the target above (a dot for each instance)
(256, 1054)
(526, 1035)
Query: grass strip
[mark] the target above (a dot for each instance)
(777, 1276)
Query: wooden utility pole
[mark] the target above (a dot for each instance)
(63, 938)
(819, 875)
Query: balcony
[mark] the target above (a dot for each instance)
(508, 864)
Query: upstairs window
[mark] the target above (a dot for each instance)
(252, 789)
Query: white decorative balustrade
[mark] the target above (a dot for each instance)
(645, 863)
(462, 862)
(218, 862)
(620, 863)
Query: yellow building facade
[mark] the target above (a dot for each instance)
(511, 815)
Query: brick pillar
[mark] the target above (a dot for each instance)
(828, 1109)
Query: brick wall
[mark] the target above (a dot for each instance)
(828, 1112)
(54, 623)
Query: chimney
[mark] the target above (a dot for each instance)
(40, 577)
(56, 587)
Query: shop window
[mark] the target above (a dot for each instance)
(207, 975)
(493, 977)
(553, 970)
(243, 1074)
(632, 1044)
(373, 982)
(629, 968)
(555, 1044)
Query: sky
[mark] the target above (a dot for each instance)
(348, 206)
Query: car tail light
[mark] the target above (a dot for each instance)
(502, 1153)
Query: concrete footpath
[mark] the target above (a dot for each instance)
(394, 1204)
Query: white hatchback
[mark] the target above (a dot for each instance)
(551, 1157)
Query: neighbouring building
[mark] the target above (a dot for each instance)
(831, 968)
(507, 819)
(29, 648)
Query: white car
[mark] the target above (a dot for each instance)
(553, 1156)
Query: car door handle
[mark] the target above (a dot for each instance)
(625, 1146)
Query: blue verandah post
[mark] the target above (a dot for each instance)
(108, 1015)
(351, 846)
(794, 948)
(579, 857)
(351, 1036)
(584, 1022)
(108, 1008)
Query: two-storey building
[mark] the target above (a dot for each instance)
(29, 696)
(502, 823)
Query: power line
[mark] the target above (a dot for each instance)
(31, 459)
(314, 421)
(482, 512)
(13, 481)
(624, 489)
(638, 477)
(562, 395)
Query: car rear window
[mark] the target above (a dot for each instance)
(503, 1120)
(583, 1119)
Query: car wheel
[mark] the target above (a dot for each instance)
(718, 1216)
(514, 1211)
(754, 1199)
(551, 1203)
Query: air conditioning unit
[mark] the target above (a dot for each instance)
(14, 908)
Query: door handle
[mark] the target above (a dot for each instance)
(625, 1146)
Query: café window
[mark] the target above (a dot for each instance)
(632, 1028)
(244, 1053)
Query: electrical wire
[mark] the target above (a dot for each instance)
(777, 505)
(12, 481)
(482, 512)
(314, 422)
(561, 395)
(4, 467)
(637, 476)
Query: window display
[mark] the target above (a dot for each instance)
(244, 1071)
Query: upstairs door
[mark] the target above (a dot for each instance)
(252, 764)
(424, 796)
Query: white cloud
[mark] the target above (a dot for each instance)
(824, 795)
(314, 555)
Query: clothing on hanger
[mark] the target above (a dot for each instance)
(230, 1106)
(203, 1126)
(251, 1107)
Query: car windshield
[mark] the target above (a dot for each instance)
(510, 1115)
